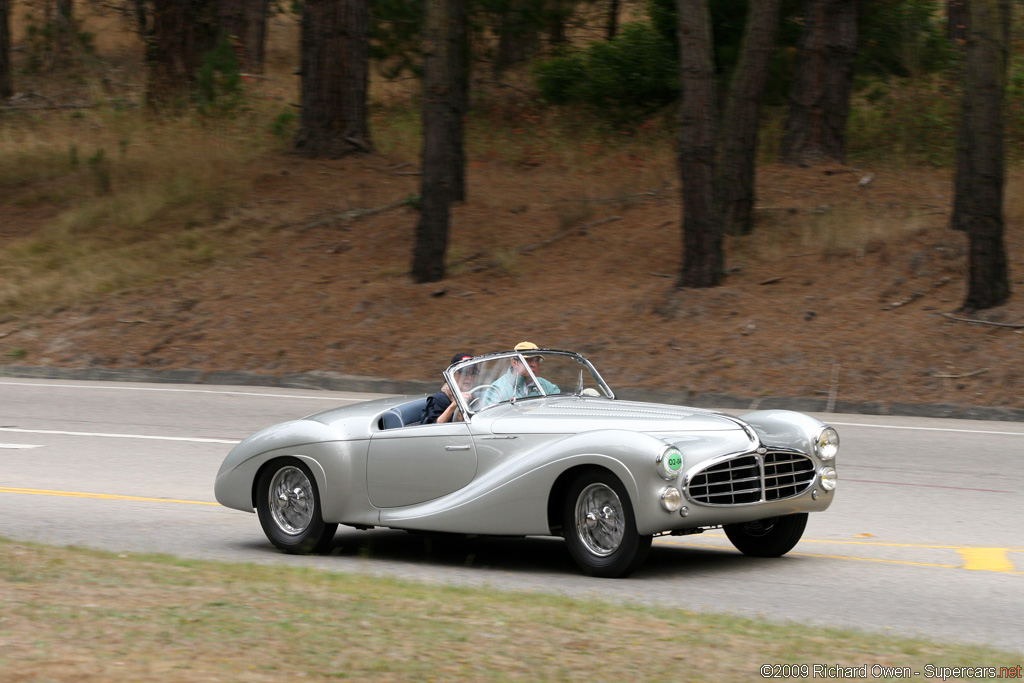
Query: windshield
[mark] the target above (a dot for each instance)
(508, 377)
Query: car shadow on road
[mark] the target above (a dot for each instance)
(518, 554)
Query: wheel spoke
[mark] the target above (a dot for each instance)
(291, 500)
(600, 519)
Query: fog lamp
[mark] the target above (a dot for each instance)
(671, 498)
(828, 478)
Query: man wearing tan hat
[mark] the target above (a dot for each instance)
(517, 382)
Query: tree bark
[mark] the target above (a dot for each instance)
(6, 84)
(245, 21)
(956, 22)
(517, 36)
(66, 33)
(738, 158)
(703, 257)
(183, 32)
(978, 204)
(335, 59)
(442, 183)
(613, 19)
(820, 93)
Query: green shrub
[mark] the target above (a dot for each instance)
(630, 76)
(283, 124)
(219, 84)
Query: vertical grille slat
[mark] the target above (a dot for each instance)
(738, 480)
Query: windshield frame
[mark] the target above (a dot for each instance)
(452, 370)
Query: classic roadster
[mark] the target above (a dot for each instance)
(539, 445)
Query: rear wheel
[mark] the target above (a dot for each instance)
(771, 537)
(600, 528)
(288, 505)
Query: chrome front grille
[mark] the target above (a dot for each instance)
(786, 475)
(752, 478)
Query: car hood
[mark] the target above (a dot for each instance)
(562, 415)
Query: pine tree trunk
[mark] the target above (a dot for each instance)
(66, 32)
(245, 21)
(613, 19)
(183, 32)
(956, 22)
(517, 37)
(703, 257)
(335, 58)
(978, 205)
(444, 48)
(557, 12)
(820, 93)
(738, 159)
(6, 84)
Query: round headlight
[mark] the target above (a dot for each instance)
(827, 443)
(828, 478)
(669, 462)
(671, 498)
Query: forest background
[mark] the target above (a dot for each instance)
(198, 239)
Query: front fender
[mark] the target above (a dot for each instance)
(785, 428)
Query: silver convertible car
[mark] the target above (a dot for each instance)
(538, 445)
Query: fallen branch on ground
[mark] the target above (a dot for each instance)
(575, 230)
(351, 215)
(620, 198)
(1014, 326)
(34, 107)
(966, 374)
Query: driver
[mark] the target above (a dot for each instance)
(441, 406)
(517, 383)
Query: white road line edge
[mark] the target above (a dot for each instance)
(360, 400)
(18, 445)
(193, 439)
(925, 429)
(186, 391)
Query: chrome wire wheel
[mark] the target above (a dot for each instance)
(600, 520)
(288, 504)
(291, 500)
(599, 525)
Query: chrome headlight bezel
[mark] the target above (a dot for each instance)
(669, 462)
(826, 444)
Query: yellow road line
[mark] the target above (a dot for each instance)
(102, 496)
(874, 543)
(978, 559)
(986, 559)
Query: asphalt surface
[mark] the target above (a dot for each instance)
(926, 536)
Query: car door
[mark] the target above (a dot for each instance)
(411, 465)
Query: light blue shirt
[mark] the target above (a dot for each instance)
(511, 385)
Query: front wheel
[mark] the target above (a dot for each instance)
(773, 537)
(288, 505)
(600, 528)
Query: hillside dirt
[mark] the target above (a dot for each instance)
(844, 289)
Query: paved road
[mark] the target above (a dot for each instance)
(926, 535)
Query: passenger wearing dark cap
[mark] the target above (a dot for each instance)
(440, 406)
